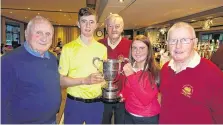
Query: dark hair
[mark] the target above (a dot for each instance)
(86, 12)
(150, 65)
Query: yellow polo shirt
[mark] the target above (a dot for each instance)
(76, 61)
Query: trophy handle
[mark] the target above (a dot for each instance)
(94, 59)
(119, 68)
(120, 65)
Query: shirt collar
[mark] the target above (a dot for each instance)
(82, 43)
(114, 45)
(137, 69)
(195, 60)
(34, 52)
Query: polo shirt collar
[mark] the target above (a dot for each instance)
(35, 52)
(195, 60)
(114, 45)
(82, 43)
(137, 69)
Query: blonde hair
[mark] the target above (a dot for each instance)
(181, 25)
(112, 17)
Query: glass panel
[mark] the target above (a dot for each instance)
(8, 38)
(12, 34)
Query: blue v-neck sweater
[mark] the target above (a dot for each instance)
(30, 88)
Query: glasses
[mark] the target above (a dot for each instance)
(140, 49)
(182, 40)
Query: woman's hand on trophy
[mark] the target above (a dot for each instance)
(122, 98)
(94, 78)
(128, 70)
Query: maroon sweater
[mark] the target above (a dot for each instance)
(121, 50)
(192, 96)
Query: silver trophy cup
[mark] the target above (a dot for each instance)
(111, 72)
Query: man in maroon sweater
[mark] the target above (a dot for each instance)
(191, 87)
(118, 48)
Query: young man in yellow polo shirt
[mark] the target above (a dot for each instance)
(80, 76)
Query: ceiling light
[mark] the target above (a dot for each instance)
(28, 8)
(11, 12)
(193, 20)
(121, 1)
(38, 13)
(25, 17)
(60, 10)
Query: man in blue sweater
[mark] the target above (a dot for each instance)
(30, 84)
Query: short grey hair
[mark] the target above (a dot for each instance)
(38, 19)
(113, 16)
(181, 25)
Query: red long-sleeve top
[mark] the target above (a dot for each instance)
(140, 97)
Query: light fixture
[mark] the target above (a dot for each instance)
(60, 10)
(163, 31)
(25, 17)
(121, 1)
(28, 8)
(38, 13)
(207, 24)
(11, 12)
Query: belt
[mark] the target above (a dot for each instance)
(84, 100)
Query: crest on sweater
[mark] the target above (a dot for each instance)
(121, 58)
(187, 90)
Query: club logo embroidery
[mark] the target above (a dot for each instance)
(187, 90)
(121, 57)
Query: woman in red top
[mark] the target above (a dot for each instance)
(140, 91)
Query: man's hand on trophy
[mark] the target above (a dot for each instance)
(128, 70)
(94, 78)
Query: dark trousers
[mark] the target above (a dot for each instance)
(130, 119)
(119, 113)
(77, 112)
